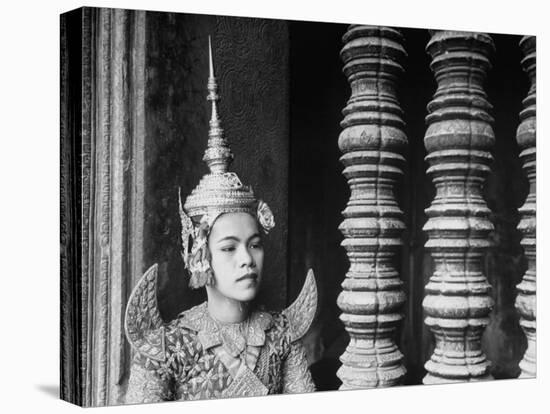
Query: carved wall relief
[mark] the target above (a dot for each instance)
(107, 147)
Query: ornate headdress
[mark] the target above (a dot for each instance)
(220, 191)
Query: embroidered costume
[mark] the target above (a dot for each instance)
(196, 356)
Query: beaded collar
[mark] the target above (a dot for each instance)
(212, 333)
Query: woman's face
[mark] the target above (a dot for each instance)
(237, 256)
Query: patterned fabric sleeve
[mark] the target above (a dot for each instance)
(150, 381)
(296, 375)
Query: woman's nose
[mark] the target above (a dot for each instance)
(245, 258)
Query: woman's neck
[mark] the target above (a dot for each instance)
(226, 310)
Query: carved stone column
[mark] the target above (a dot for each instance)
(372, 143)
(458, 140)
(526, 137)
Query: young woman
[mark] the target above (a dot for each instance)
(224, 347)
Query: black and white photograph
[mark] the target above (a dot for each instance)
(286, 210)
(260, 206)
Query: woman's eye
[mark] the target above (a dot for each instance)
(256, 246)
(227, 249)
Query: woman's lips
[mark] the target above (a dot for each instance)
(248, 276)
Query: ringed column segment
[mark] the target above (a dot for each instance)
(526, 138)
(372, 143)
(458, 141)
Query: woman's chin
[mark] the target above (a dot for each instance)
(246, 295)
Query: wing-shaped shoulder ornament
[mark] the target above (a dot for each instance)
(302, 311)
(142, 323)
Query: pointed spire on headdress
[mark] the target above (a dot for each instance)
(220, 191)
(217, 155)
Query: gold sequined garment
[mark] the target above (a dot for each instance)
(203, 359)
